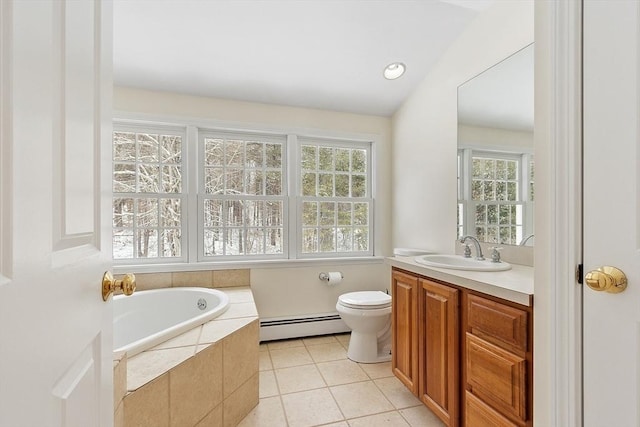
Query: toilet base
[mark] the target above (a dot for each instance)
(369, 348)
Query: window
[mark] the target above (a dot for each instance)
(237, 195)
(335, 196)
(148, 197)
(495, 192)
(243, 199)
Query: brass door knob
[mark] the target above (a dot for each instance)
(607, 278)
(127, 284)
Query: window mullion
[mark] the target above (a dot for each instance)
(192, 223)
(467, 168)
(293, 222)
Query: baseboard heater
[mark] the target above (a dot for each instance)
(301, 326)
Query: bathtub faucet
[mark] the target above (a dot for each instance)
(476, 243)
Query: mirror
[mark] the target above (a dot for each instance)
(495, 153)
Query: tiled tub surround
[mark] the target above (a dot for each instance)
(205, 377)
(205, 279)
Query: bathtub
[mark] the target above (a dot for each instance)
(148, 318)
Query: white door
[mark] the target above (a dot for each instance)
(612, 210)
(55, 330)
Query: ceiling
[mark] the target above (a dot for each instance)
(325, 54)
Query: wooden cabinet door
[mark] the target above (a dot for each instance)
(404, 345)
(497, 376)
(439, 361)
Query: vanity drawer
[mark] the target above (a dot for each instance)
(497, 376)
(500, 324)
(479, 414)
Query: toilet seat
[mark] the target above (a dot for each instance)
(365, 300)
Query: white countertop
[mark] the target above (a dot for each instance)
(515, 285)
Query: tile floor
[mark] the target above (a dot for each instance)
(310, 382)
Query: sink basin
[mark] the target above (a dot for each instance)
(458, 262)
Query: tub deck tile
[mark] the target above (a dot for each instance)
(216, 329)
(148, 365)
(189, 338)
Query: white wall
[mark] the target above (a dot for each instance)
(290, 290)
(494, 138)
(425, 127)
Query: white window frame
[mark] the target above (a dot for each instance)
(156, 128)
(193, 192)
(337, 143)
(465, 202)
(204, 133)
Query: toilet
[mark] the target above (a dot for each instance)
(368, 314)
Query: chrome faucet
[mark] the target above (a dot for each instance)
(526, 239)
(476, 243)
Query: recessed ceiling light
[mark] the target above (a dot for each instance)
(394, 70)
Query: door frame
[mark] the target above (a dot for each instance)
(558, 216)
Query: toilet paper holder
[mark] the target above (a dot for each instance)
(325, 276)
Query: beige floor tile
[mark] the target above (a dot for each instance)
(268, 384)
(420, 416)
(288, 357)
(340, 424)
(339, 372)
(344, 339)
(323, 339)
(278, 345)
(327, 352)
(264, 346)
(360, 399)
(268, 413)
(299, 378)
(265, 361)
(397, 393)
(380, 420)
(377, 370)
(311, 408)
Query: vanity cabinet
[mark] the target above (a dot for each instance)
(466, 355)
(404, 342)
(497, 362)
(439, 349)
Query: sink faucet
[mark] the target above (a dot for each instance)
(476, 243)
(526, 239)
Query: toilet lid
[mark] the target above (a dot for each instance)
(365, 299)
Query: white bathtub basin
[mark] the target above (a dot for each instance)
(147, 318)
(458, 262)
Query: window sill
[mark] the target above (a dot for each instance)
(236, 265)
